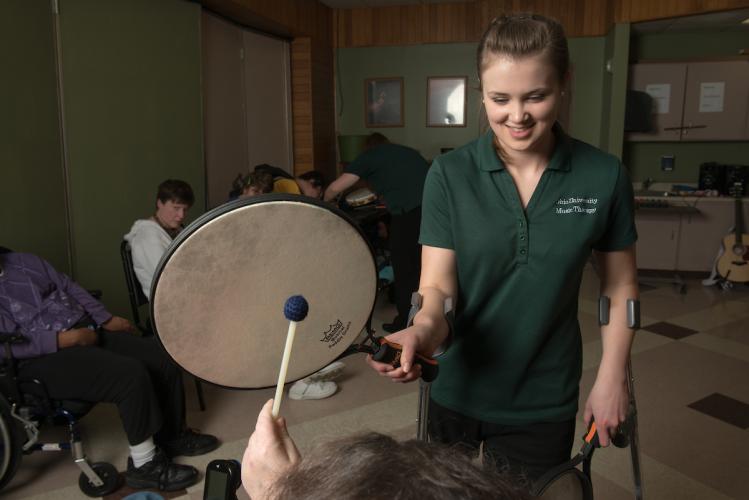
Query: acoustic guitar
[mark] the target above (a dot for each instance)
(733, 265)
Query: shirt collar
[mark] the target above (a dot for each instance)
(560, 160)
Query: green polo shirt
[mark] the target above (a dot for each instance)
(516, 357)
(396, 172)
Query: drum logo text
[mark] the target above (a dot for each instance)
(335, 333)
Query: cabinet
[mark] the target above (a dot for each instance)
(696, 101)
(675, 241)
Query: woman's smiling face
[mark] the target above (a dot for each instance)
(522, 98)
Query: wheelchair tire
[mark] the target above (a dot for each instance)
(107, 473)
(12, 438)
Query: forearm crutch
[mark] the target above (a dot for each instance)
(422, 418)
(628, 434)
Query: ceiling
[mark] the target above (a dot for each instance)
(350, 4)
(716, 21)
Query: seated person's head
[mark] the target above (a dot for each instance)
(257, 182)
(311, 184)
(173, 199)
(375, 466)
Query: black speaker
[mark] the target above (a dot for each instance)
(712, 176)
(736, 174)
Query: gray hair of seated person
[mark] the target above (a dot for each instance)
(377, 467)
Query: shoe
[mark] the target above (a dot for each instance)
(190, 443)
(315, 390)
(330, 372)
(160, 474)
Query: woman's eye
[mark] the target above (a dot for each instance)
(500, 100)
(536, 97)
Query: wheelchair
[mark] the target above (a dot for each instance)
(24, 408)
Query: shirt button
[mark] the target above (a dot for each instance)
(522, 237)
(522, 251)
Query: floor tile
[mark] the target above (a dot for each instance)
(719, 345)
(716, 315)
(724, 408)
(670, 330)
(737, 331)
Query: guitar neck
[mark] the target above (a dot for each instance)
(739, 216)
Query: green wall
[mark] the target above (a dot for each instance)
(133, 117)
(417, 62)
(131, 73)
(643, 158)
(32, 217)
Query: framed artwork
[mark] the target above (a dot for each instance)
(446, 101)
(383, 102)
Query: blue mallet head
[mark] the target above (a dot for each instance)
(296, 308)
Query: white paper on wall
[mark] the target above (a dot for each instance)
(661, 94)
(712, 95)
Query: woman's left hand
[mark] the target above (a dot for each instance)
(607, 403)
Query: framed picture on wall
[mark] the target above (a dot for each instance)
(383, 102)
(446, 101)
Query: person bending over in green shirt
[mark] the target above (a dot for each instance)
(396, 173)
(509, 222)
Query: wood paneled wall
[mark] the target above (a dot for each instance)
(464, 22)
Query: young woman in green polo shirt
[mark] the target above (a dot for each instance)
(509, 222)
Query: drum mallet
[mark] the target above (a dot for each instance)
(295, 310)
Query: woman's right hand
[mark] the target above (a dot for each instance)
(417, 338)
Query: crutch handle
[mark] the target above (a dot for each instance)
(390, 353)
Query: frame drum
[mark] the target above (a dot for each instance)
(218, 295)
(361, 197)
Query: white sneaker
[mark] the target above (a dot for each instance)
(330, 372)
(302, 389)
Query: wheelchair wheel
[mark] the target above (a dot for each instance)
(109, 476)
(11, 443)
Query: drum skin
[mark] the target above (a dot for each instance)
(218, 297)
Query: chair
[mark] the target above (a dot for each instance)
(24, 407)
(138, 299)
(134, 290)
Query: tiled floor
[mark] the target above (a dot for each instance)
(690, 361)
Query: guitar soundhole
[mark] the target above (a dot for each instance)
(739, 250)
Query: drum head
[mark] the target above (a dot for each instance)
(361, 197)
(219, 292)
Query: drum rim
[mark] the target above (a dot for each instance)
(228, 207)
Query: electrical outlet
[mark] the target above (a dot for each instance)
(668, 163)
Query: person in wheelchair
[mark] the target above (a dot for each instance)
(80, 351)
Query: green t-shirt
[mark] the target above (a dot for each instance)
(396, 172)
(516, 356)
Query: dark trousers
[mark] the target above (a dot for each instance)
(405, 255)
(132, 372)
(524, 451)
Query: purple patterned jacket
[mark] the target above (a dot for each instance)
(38, 302)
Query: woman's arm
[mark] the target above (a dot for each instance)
(608, 399)
(430, 329)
